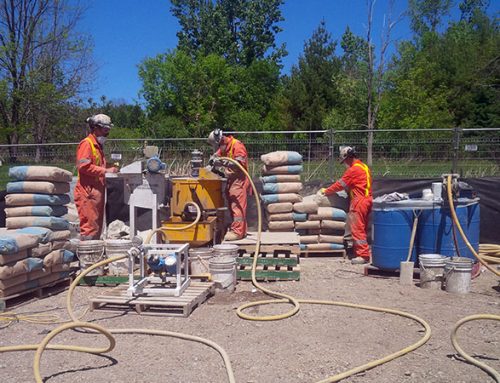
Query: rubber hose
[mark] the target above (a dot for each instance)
(296, 302)
(491, 371)
(460, 230)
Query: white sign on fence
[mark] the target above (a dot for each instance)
(471, 148)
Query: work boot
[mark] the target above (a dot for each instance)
(359, 261)
(231, 236)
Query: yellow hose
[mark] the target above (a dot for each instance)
(460, 230)
(466, 356)
(296, 304)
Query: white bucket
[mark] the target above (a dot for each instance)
(457, 275)
(89, 253)
(114, 248)
(431, 270)
(223, 270)
(199, 259)
(226, 249)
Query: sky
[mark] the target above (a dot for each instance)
(125, 32)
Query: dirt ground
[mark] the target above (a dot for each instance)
(317, 342)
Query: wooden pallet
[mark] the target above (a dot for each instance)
(193, 296)
(38, 292)
(269, 273)
(323, 253)
(274, 259)
(270, 242)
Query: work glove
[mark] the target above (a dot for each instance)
(215, 161)
(321, 191)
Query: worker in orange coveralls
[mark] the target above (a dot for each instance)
(238, 185)
(356, 180)
(90, 190)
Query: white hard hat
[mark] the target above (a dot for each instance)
(346, 152)
(214, 137)
(101, 120)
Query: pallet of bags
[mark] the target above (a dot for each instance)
(281, 185)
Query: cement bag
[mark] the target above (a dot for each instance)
(5, 284)
(326, 231)
(11, 258)
(58, 256)
(323, 246)
(53, 223)
(282, 187)
(25, 286)
(13, 270)
(43, 187)
(281, 225)
(40, 173)
(14, 242)
(305, 207)
(335, 225)
(299, 217)
(43, 211)
(281, 157)
(329, 213)
(285, 197)
(280, 217)
(314, 231)
(307, 225)
(308, 239)
(281, 207)
(282, 169)
(41, 250)
(60, 235)
(331, 239)
(280, 178)
(45, 234)
(325, 200)
(61, 267)
(38, 274)
(36, 199)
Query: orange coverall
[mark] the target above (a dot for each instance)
(91, 187)
(357, 180)
(238, 185)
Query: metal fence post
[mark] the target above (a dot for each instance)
(456, 148)
(331, 162)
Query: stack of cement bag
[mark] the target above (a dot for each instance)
(28, 259)
(281, 185)
(324, 228)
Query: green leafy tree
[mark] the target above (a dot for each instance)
(426, 15)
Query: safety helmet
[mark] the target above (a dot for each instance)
(215, 137)
(346, 152)
(100, 120)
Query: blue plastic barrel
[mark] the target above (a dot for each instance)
(392, 226)
(436, 229)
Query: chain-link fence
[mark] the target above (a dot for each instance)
(395, 153)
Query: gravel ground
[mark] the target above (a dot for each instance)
(318, 342)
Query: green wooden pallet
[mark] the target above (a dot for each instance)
(269, 273)
(269, 259)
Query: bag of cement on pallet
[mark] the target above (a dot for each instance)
(41, 250)
(323, 246)
(281, 187)
(305, 207)
(38, 274)
(25, 286)
(36, 199)
(334, 232)
(12, 270)
(281, 225)
(280, 207)
(58, 256)
(14, 281)
(6, 259)
(42, 187)
(285, 197)
(14, 242)
(282, 169)
(60, 267)
(281, 157)
(299, 217)
(54, 223)
(328, 213)
(280, 178)
(307, 225)
(280, 217)
(44, 234)
(331, 239)
(334, 225)
(308, 239)
(42, 211)
(314, 231)
(40, 173)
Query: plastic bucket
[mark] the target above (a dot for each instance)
(199, 259)
(225, 250)
(114, 248)
(89, 253)
(457, 275)
(223, 270)
(431, 270)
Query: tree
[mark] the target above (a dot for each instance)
(426, 15)
(44, 63)
(239, 30)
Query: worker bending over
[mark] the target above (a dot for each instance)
(90, 190)
(238, 185)
(357, 181)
